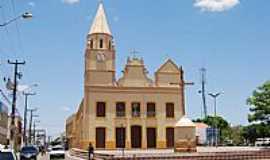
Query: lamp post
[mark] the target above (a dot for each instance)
(214, 96)
(26, 15)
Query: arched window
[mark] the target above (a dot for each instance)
(101, 43)
(91, 44)
(110, 45)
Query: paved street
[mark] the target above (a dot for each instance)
(46, 157)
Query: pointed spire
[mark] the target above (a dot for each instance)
(100, 23)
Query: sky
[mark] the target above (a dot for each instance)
(230, 38)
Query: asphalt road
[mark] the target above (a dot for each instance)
(46, 157)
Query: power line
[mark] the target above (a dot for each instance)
(17, 28)
(11, 46)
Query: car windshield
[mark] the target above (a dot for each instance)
(29, 149)
(6, 156)
(57, 148)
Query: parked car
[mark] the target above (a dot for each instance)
(8, 154)
(262, 142)
(29, 153)
(57, 152)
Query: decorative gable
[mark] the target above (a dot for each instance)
(135, 74)
(168, 74)
(168, 67)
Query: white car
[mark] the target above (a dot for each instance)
(57, 152)
(8, 154)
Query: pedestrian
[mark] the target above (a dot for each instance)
(43, 152)
(90, 151)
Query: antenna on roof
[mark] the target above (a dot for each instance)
(202, 91)
(134, 53)
(167, 56)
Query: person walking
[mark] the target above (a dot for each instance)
(90, 151)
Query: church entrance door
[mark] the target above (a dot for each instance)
(136, 136)
(100, 137)
(120, 137)
(151, 137)
(170, 137)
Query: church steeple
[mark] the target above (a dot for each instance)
(100, 52)
(100, 23)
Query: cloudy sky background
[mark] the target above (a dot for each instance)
(228, 37)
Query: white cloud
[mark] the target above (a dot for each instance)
(115, 18)
(71, 1)
(66, 109)
(32, 4)
(216, 5)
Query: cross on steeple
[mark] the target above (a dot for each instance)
(133, 52)
(167, 56)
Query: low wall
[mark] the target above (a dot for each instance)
(261, 154)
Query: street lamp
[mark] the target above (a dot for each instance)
(26, 88)
(26, 15)
(214, 96)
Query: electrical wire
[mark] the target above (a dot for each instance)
(7, 48)
(10, 45)
(20, 45)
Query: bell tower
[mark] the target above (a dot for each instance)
(100, 52)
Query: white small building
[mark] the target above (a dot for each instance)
(201, 133)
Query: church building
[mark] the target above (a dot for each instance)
(133, 111)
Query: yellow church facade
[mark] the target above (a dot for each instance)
(133, 111)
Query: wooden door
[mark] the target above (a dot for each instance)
(151, 137)
(100, 137)
(120, 137)
(136, 136)
(170, 137)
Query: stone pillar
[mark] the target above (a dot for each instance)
(144, 138)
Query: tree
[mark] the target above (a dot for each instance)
(236, 135)
(259, 104)
(251, 132)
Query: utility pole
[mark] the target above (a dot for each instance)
(182, 86)
(13, 110)
(30, 124)
(202, 91)
(34, 134)
(25, 115)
